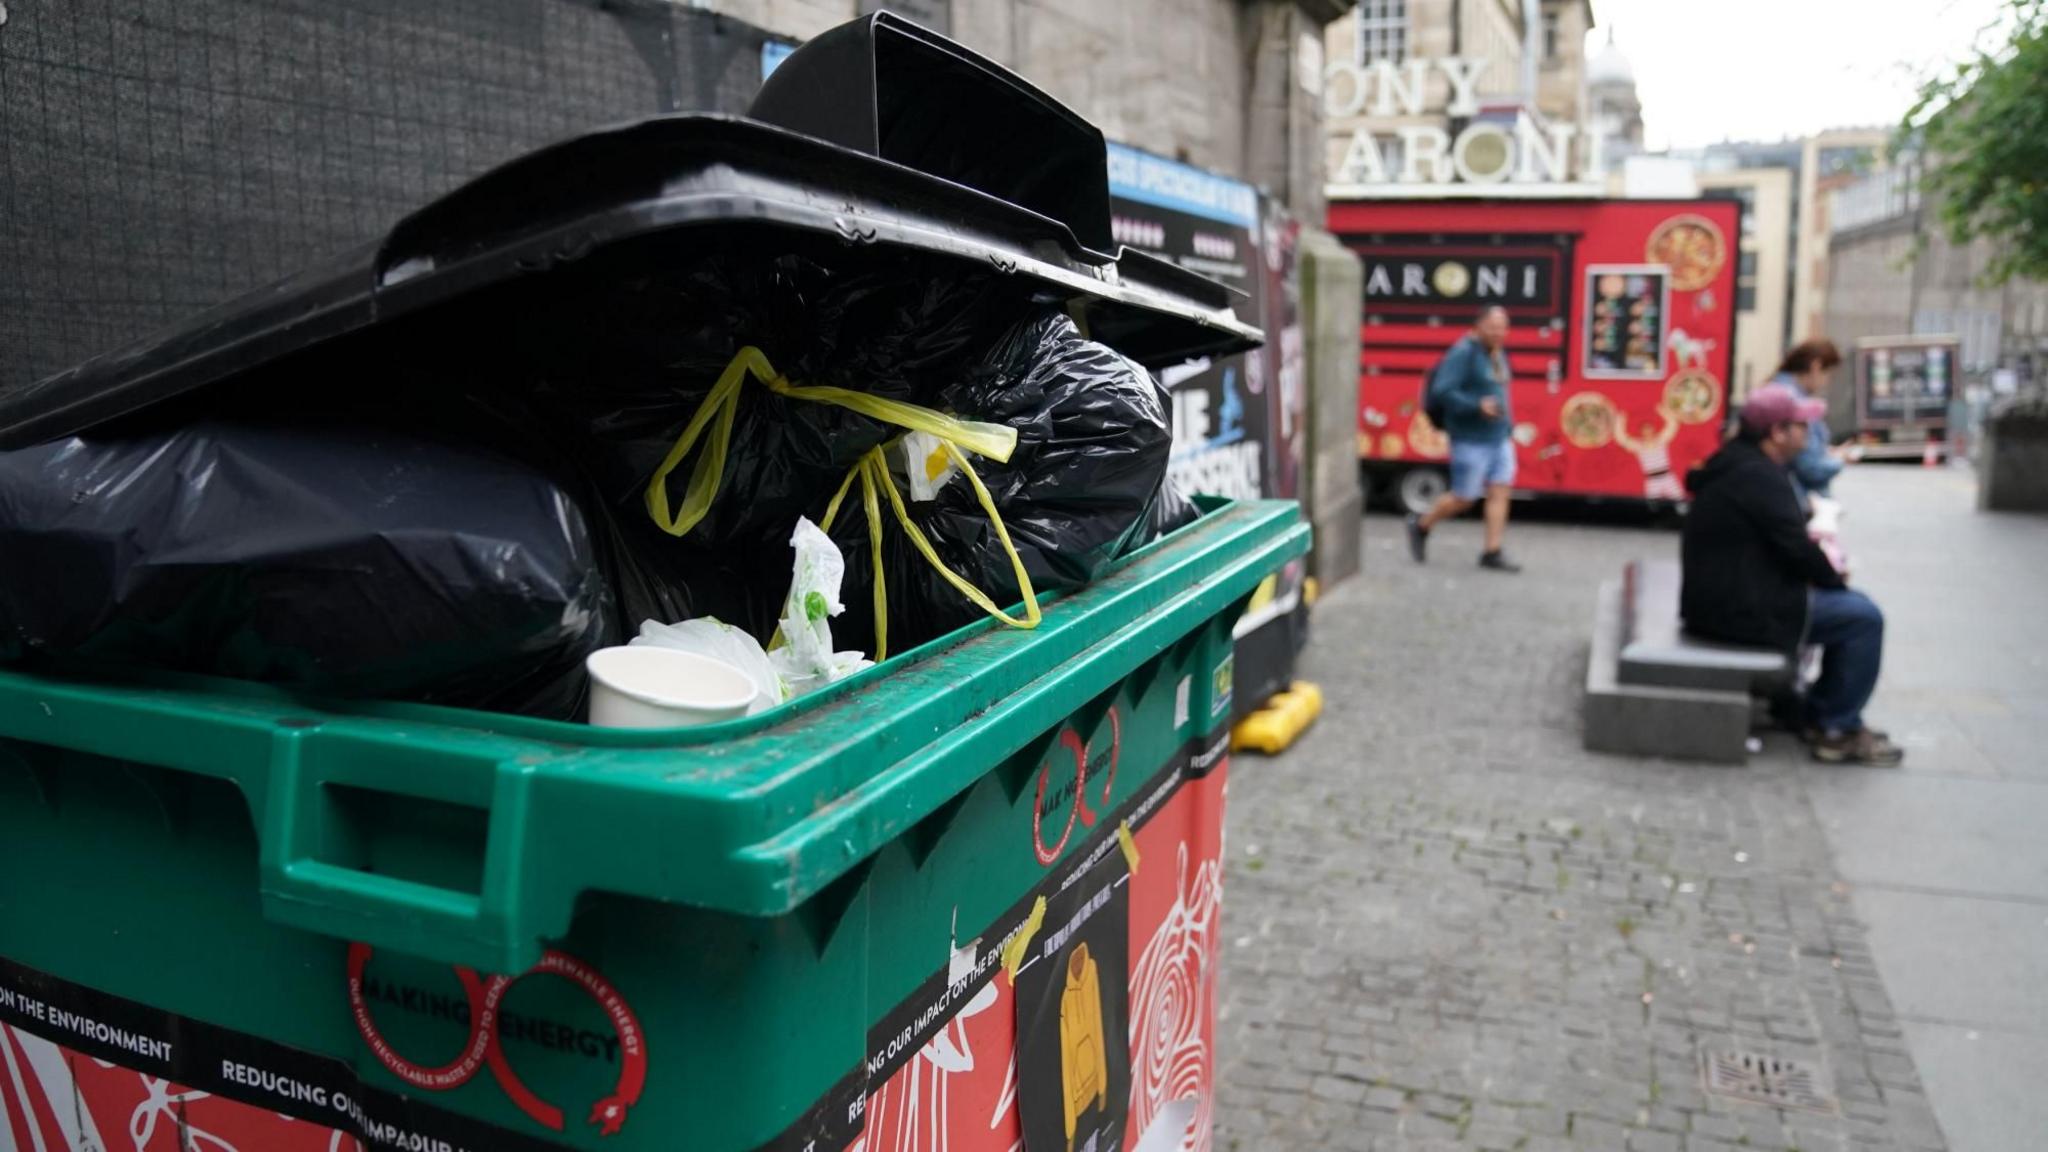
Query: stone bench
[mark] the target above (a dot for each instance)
(1656, 651)
(1652, 690)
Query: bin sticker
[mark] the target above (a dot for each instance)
(483, 1000)
(1073, 800)
(82, 1069)
(945, 1066)
(485, 1045)
(1073, 1082)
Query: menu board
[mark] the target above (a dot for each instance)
(1627, 306)
(1906, 382)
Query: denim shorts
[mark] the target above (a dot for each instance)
(1477, 465)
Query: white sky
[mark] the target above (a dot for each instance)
(1712, 70)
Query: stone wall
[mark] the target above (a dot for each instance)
(794, 19)
(1169, 76)
(1332, 291)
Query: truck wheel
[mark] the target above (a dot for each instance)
(1420, 489)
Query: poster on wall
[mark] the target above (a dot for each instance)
(1626, 311)
(1207, 224)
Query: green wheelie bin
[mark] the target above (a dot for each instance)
(967, 898)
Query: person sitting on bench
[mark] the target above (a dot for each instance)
(1752, 575)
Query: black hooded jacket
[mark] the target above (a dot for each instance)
(1748, 561)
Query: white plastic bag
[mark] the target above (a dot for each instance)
(805, 658)
(709, 636)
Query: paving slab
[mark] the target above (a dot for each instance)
(1905, 829)
(1972, 962)
(1987, 1085)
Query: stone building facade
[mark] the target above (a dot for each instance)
(1387, 80)
(1763, 273)
(1830, 161)
(1562, 67)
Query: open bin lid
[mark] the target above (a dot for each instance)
(652, 180)
(886, 87)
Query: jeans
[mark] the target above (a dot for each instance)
(1848, 627)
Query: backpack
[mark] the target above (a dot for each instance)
(1434, 407)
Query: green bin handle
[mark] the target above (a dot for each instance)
(488, 930)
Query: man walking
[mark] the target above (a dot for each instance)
(1752, 575)
(1471, 385)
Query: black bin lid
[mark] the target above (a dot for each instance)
(650, 181)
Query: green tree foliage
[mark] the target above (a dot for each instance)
(1983, 129)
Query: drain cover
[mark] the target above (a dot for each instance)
(1762, 1079)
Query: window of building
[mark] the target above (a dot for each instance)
(1742, 194)
(1552, 35)
(1382, 30)
(1745, 281)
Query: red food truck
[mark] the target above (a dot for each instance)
(1622, 332)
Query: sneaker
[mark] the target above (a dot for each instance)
(1498, 562)
(1860, 747)
(1418, 539)
(1814, 733)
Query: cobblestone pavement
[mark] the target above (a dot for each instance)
(1449, 926)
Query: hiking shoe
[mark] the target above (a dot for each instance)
(1498, 562)
(1418, 539)
(1860, 747)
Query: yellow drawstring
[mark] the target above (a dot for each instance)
(994, 441)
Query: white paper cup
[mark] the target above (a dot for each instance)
(641, 686)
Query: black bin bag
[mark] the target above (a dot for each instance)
(1079, 491)
(1171, 512)
(340, 559)
(594, 371)
(619, 357)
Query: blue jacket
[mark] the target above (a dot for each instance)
(1815, 468)
(1466, 376)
